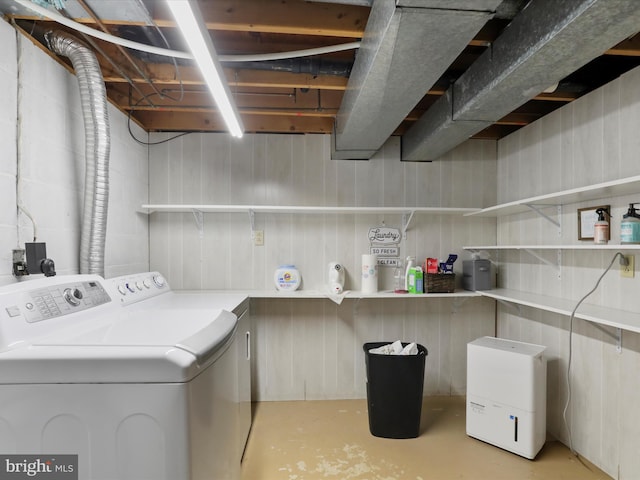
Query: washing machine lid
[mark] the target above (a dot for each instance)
(141, 346)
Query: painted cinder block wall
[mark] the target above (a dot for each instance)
(42, 138)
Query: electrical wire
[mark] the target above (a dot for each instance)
(21, 208)
(176, 53)
(164, 93)
(142, 142)
(571, 317)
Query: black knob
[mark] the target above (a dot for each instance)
(73, 296)
(48, 267)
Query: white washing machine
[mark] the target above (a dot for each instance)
(138, 381)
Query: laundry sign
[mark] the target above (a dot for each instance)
(384, 242)
(384, 236)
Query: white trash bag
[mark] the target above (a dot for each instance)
(396, 348)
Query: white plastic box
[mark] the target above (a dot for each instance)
(506, 394)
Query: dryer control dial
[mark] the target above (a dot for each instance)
(159, 281)
(73, 296)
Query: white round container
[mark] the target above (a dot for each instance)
(287, 278)
(369, 274)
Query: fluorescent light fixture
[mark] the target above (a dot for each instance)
(194, 30)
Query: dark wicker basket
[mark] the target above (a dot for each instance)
(440, 283)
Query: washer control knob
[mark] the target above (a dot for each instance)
(73, 296)
(146, 283)
(130, 287)
(139, 285)
(159, 281)
(122, 289)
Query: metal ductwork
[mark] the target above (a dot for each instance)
(536, 50)
(407, 45)
(93, 98)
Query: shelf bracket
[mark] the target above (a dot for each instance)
(252, 222)
(558, 263)
(616, 336)
(198, 216)
(514, 306)
(538, 209)
(406, 220)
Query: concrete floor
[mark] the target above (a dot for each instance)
(308, 440)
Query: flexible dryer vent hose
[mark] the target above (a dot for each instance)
(93, 98)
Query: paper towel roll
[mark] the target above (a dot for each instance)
(369, 273)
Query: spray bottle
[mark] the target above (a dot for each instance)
(630, 226)
(601, 228)
(407, 272)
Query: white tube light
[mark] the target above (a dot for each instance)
(194, 30)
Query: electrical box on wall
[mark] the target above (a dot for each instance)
(37, 261)
(19, 263)
(628, 269)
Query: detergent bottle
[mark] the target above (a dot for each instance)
(630, 226)
(407, 272)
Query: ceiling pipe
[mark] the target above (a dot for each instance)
(311, 66)
(406, 47)
(535, 51)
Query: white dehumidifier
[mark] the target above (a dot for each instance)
(507, 394)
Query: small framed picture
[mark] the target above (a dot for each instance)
(587, 218)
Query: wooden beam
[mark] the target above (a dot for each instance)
(277, 16)
(629, 47)
(296, 17)
(279, 112)
(557, 97)
(268, 98)
(165, 74)
(519, 119)
(211, 122)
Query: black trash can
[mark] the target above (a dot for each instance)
(394, 392)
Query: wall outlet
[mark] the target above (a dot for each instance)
(258, 238)
(628, 270)
(19, 263)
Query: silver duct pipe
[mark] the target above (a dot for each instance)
(93, 97)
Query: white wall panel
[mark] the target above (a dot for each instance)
(629, 96)
(591, 140)
(313, 348)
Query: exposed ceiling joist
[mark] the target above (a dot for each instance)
(304, 95)
(536, 50)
